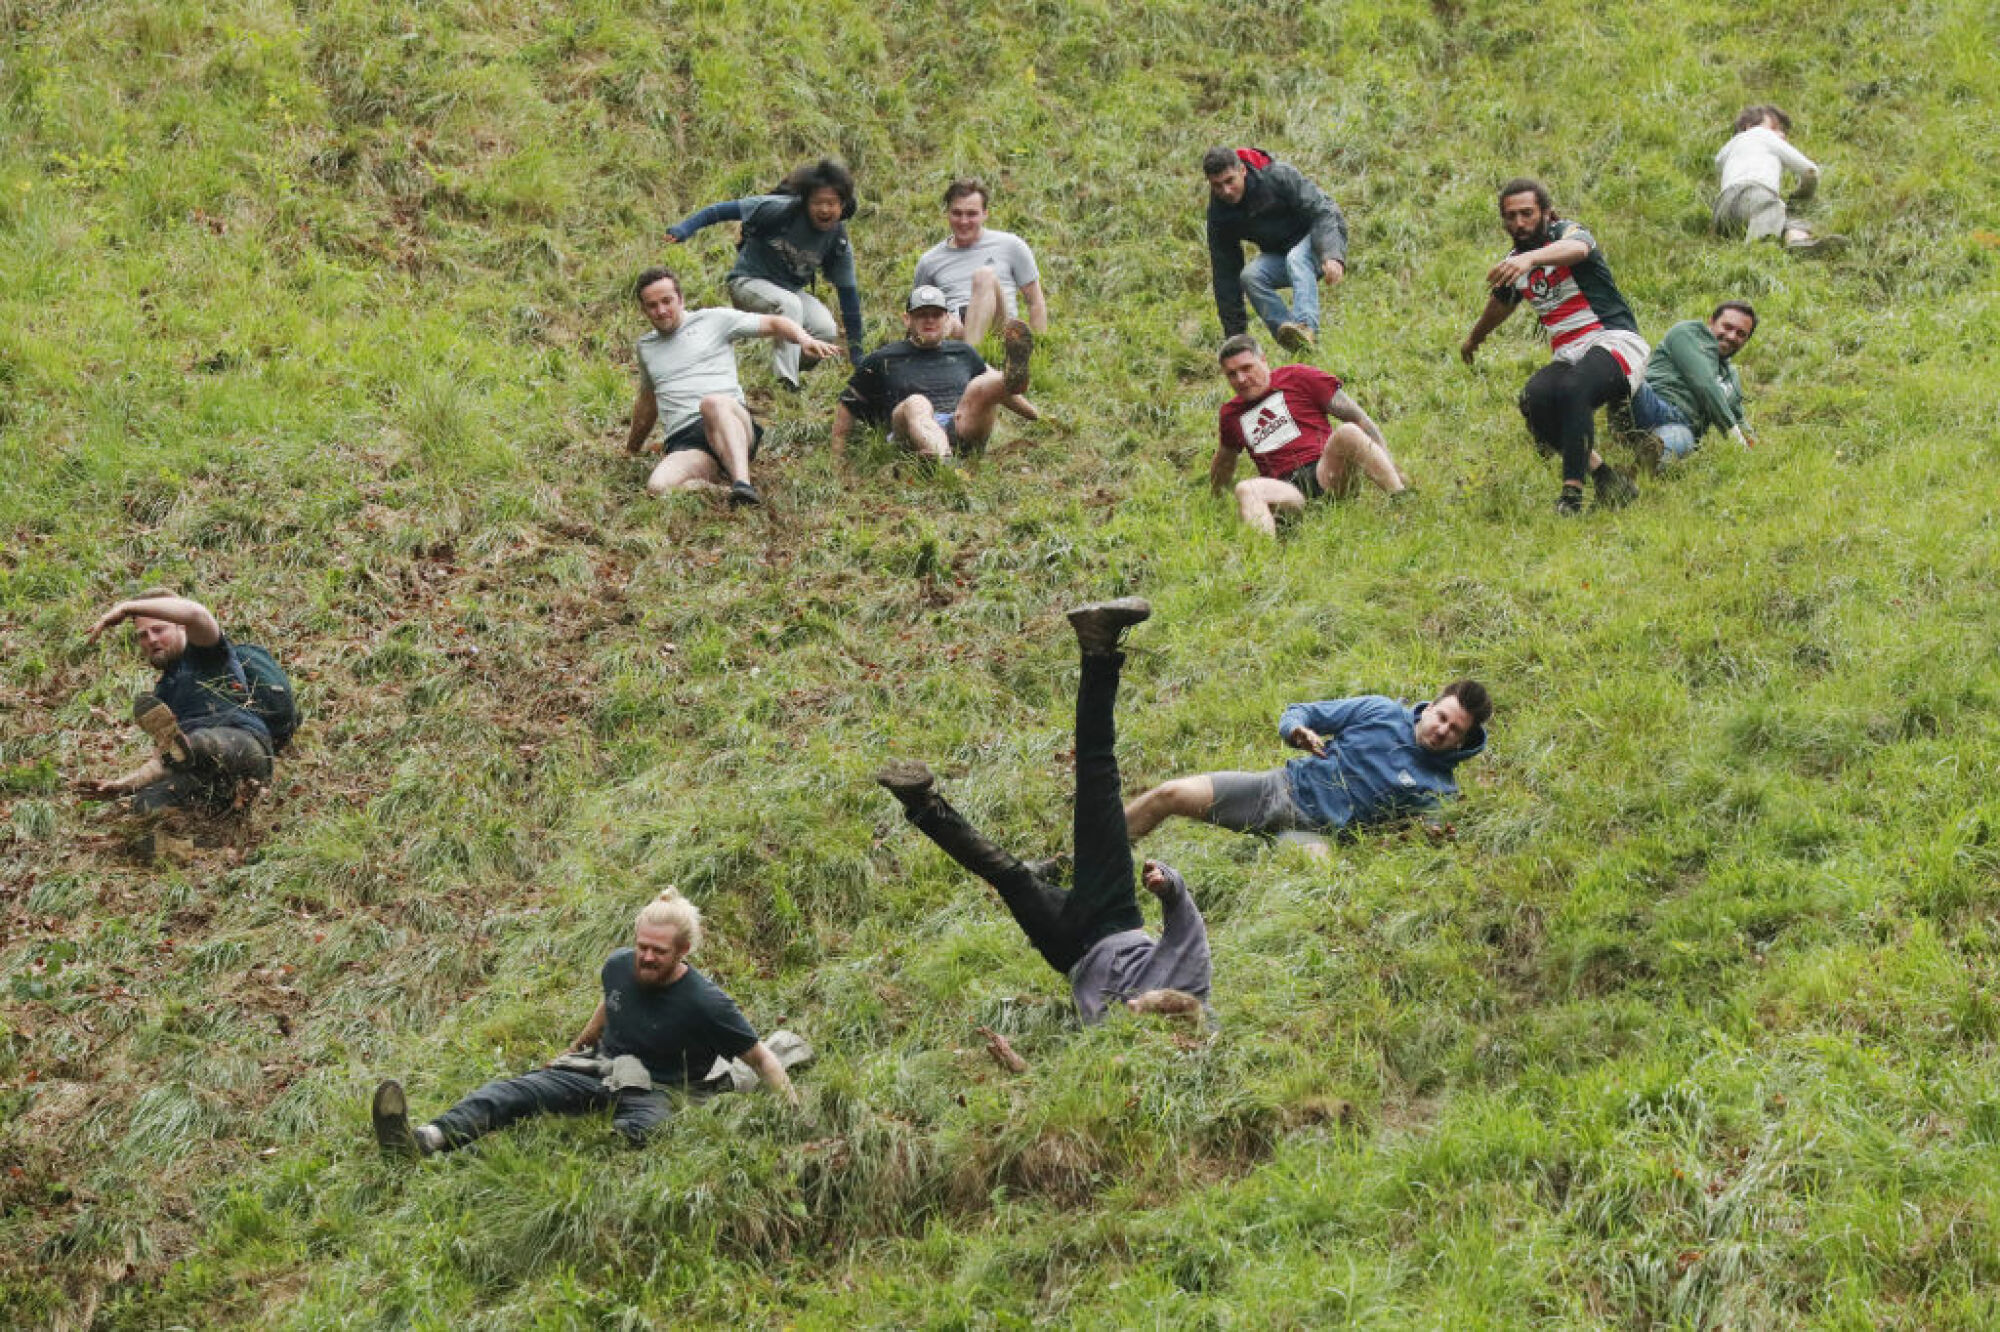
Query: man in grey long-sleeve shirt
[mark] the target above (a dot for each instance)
(1300, 233)
(1091, 933)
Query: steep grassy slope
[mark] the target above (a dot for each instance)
(321, 312)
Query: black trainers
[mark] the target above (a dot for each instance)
(1017, 343)
(391, 1113)
(1570, 502)
(157, 720)
(1614, 489)
(907, 780)
(1099, 624)
(743, 495)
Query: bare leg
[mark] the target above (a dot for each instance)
(915, 420)
(979, 406)
(690, 469)
(1189, 797)
(1349, 447)
(986, 308)
(729, 433)
(1258, 498)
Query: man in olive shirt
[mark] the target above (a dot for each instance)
(1690, 386)
(661, 1025)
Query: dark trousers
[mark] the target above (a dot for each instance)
(1063, 926)
(218, 758)
(552, 1091)
(1561, 399)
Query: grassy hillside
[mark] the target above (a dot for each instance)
(321, 312)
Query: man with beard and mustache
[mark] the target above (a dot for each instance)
(210, 739)
(1598, 356)
(661, 1025)
(932, 392)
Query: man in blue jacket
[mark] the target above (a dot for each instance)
(1369, 760)
(1299, 233)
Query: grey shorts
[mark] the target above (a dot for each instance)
(1752, 211)
(1255, 802)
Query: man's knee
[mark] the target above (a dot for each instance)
(1190, 797)
(915, 407)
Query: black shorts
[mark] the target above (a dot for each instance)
(1306, 478)
(695, 436)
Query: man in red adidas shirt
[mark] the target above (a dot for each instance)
(1285, 419)
(1597, 355)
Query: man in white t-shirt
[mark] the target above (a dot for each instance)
(1753, 166)
(986, 275)
(687, 383)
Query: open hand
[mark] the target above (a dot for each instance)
(1508, 271)
(110, 619)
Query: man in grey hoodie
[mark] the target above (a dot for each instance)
(1300, 234)
(1092, 932)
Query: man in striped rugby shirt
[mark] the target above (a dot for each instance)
(1598, 357)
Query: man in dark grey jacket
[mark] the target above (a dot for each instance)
(1300, 233)
(1090, 933)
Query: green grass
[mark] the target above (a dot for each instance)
(322, 313)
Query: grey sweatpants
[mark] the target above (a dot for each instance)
(801, 307)
(1754, 211)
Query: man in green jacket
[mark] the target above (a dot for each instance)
(1691, 388)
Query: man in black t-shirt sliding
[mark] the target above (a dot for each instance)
(660, 1026)
(210, 741)
(930, 391)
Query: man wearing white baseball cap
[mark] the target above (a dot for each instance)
(932, 392)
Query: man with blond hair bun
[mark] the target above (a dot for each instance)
(660, 1026)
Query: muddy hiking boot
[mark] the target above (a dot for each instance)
(390, 1112)
(1017, 342)
(391, 1115)
(1099, 624)
(1614, 489)
(909, 781)
(743, 495)
(157, 720)
(1295, 337)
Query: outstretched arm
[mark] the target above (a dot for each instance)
(850, 320)
(645, 415)
(1494, 315)
(1038, 306)
(760, 1058)
(780, 329)
(201, 626)
(1343, 408)
(729, 210)
(592, 1032)
(152, 770)
(1222, 469)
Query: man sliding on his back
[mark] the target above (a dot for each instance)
(1369, 759)
(1091, 933)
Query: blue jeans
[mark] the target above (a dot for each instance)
(1667, 422)
(552, 1091)
(1297, 268)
